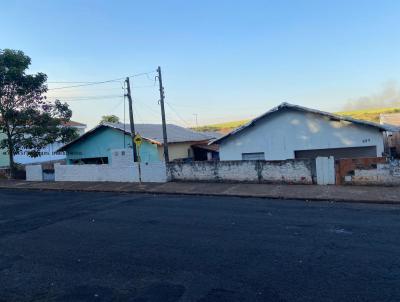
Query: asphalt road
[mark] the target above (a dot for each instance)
(67, 246)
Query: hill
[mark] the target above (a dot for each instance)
(371, 115)
(221, 127)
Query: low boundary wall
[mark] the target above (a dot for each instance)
(34, 173)
(150, 172)
(286, 171)
(368, 171)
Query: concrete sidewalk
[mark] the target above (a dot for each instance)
(365, 194)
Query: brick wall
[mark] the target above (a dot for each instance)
(368, 171)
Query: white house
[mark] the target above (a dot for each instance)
(49, 152)
(290, 131)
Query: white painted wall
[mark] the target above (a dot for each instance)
(153, 172)
(290, 171)
(121, 157)
(121, 169)
(34, 173)
(95, 173)
(280, 134)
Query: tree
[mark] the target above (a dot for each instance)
(110, 119)
(26, 117)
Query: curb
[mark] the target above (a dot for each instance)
(308, 199)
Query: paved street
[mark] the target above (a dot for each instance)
(70, 246)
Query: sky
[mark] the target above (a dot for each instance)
(221, 60)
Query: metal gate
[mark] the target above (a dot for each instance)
(48, 175)
(325, 168)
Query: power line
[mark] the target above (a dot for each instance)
(178, 115)
(117, 105)
(87, 84)
(86, 98)
(100, 82)
(154, 112)
(137, 115)
(69, 82)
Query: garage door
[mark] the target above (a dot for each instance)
(337, 153)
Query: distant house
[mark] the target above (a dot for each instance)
(290, 131)
(49, 153)
(392, 138)
(94, 147)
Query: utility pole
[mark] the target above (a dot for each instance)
(197, 124)
(164, 126)
(132, 123)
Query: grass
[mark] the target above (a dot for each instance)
(371, 115)
(221, 127)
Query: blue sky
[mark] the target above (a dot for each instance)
(221, 60)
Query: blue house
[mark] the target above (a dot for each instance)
(96, 145)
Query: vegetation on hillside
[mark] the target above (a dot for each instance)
(221, 127)
(371, 115)
(366, 114)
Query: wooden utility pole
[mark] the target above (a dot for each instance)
(132, 123)
(164, 126)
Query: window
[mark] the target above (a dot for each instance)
(91, 161)
(253, 156)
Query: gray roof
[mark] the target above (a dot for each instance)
(308, 110)
(153, 133)
(213, 134)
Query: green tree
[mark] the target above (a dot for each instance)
(110, 119)
(28, 120)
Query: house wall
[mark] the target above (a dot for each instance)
(48, 153)
(100, 144)
(176, 150)
(284, 132)
(289, 171)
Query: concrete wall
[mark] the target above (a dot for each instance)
(284, 132)
(289, 171)
(121, 169)
(150, 172)
(153, 172)
(95, 173)
(34, 173)
(383, 174)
